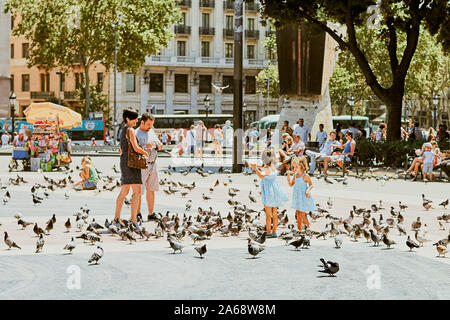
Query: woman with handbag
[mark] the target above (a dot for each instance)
(132, 160)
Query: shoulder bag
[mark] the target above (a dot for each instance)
(135, 160)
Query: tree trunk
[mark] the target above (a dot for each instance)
(394, 115)
(87, 89)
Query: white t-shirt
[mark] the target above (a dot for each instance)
(321, 137)
(297, 146)
(428, 156)
(190, 137)
(5, 139)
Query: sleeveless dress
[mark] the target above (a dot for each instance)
(300, 201)
(129, 175)
(272, 194)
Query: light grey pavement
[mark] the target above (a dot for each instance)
(149, 270)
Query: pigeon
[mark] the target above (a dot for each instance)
(96, 256)
(175, 246)
(201, 250)
(388, 242)
(329, 267)
(24, 224)
(37, 229)
(66, 195)
(329, 203)
(206, 198)
(375, 238)
(49, 226)
(411, 244)
(444, 204)
(338, 241)
(40, 243)
(419, 238)
(68, 225)
(70, 246)
(254, 249)
(442, 250)
(297, 243)
(9, 242)
(402, 206)
(219, 90)
(251, 197)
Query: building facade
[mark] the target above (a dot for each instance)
(4, 61)
(179, 78)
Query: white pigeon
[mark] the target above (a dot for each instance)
(219, 89)
(70, 246)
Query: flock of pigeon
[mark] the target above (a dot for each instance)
(373, 224)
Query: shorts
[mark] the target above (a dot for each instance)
(427, 168)
(198, 144)
(89, 184)
(149, 178)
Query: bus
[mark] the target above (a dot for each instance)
(345, 122)
(169, 122)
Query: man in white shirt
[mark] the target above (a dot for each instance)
(321, 135)
(5, 139)
(190, 137)
(303, 131)
(326, 149)
(148, 140)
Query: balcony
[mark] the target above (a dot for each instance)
(161, 58)
(184, 3)
(252, 34)
(43, 95)
(210, 60)
(185, 59)
(255, 62)
(228, 5)
(70, 95)
(229, 60)
(228, 33)
(205, 31)
(182, 29)
(207, 3)
(251, 6)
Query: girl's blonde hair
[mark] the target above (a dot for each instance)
(86, 159)
(268, 157)
(299, 161)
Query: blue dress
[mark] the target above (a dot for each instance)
(272, 195)
(300, 201)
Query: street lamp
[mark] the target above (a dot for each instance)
(268, 83)
(435, 104)
(114, 25)
(60, 86)
(351, 103)
(12, 104)
(244, 114)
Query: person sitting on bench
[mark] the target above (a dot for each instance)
(325, 150)
(346, 155)
(89, 176)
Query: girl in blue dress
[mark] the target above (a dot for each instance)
(272, 195)
(302, 201)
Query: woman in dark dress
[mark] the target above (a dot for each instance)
(131, 177)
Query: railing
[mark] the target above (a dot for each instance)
(255, 61)
(206, 31)
(185, 59)
(182, 29)
(45, 95)
(228, 33)
(161, 58)
(207, 4)
(70, 95)
(228, 5)
(229, 60)
(251, 6)
(252, 34)
(184, 3)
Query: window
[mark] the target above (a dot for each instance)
(79, 78)
(130, 82)
(183, 18)
(42, 81)
(205, 84)
(250, 84)
(25, 82)
(250, 51)
(62, 81)
(12, 51)
(100, 80)
(227, 80)
(228, 50)
(205, 20)
(25, 47)
(181, 83)
(181, 48)
(12, 22)
(205, 49)
(250, 24)
(12, 83)
(229, 22)
(156, 82)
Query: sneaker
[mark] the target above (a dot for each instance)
(425, 180)
(318, 157)
(414, 179)
(273, 235)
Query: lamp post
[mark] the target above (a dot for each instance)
(206, 101)
(435, 104)
(114, 25)
(268, 83)
(351, 103)
(12, 104)
(244, 115)
(60, 86)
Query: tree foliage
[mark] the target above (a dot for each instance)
(270, 73)
(390, 18)
(64, 32)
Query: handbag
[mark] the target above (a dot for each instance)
(135, 160)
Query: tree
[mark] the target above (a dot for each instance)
(99, 101)
(427, 73)
(64, 32)
(271, 73)
(389, 17)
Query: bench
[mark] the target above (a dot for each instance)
(346, 165)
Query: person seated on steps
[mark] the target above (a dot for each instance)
(89, 176)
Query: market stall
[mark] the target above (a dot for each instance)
(48, 147)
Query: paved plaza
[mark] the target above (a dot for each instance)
(149, 270)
